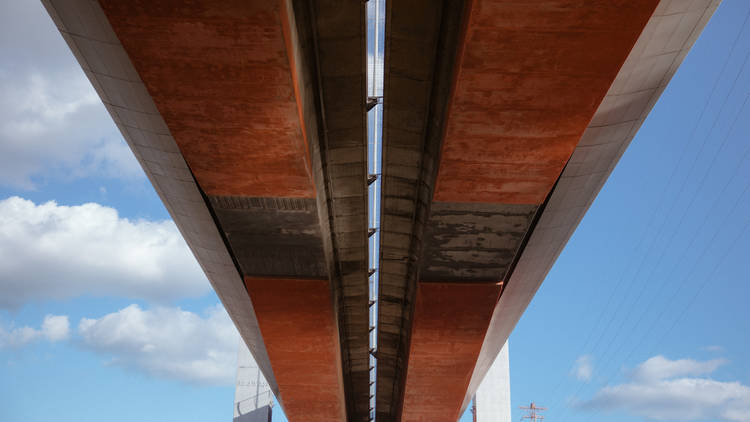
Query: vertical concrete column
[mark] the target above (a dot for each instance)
(493, 396)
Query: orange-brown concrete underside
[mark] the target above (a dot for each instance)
(530, 76)
(450, 321)
(296, 320)
(220, 75)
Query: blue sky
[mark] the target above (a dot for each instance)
(643, 317)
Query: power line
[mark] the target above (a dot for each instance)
(746, 154)
(713, 91)
(702, 285)
(695, 235)
(674, 204)
(662, 197)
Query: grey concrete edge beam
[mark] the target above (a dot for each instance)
(335, 151)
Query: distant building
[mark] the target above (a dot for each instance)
(492, 400)
(252, 395)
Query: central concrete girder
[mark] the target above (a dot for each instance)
(421, 40)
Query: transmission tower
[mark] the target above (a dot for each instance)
(531, 412)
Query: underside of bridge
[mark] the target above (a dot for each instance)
(501, 122)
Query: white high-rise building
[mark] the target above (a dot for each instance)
(252, 395)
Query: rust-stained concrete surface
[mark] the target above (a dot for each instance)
(529, 77)
(219, 74)
(450, 320)
(297, 322)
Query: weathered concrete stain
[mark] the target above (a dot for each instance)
(276, 237)
(420, 53)
(327, 49)
(472, 242)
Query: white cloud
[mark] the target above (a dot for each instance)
(54, 328)
(663, 389)
(52, 123)
(584, 368)
(659, 367)
(167, 342)
(49, 251)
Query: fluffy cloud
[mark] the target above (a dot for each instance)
(49, 251)
(54, 328)
(659, 367)
(167, 342)
(584, 368)
(52, 123)
(664, 389)
(164, 342)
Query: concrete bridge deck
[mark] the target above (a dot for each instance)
(502, 121)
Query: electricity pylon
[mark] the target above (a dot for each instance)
(531, 412)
